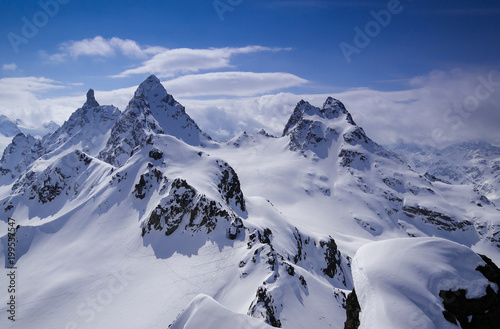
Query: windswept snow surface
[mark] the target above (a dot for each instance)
(205, 312)
(398, 281)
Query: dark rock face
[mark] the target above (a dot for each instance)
(230, 188)
(183, 204)
(441, 221)
(151, 111)
(476, 313)
(332, 257)
(356, 136)
(147, 181)
(91, 102)
(321, 257)
(353, 159)
(54, 180)
(352, 309)
(155, 154)
(262, 307)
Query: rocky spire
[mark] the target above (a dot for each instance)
(91, 102)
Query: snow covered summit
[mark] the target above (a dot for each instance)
(85, 129)
(315, 129)
(151, 111)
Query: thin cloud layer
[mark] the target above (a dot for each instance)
(101, 47)
(9, 67)
(170, 62)
(156, 60)
(231, 83)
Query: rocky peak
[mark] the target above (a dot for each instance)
(333, 108)
(91, 102)
(302, 109)
(313, 128)
(86, 126)
(158, 106)
(151, 111)
(150, 86)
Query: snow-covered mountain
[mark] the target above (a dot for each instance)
(10, 128)
(137, 219)
(151, 111)
(477, 164)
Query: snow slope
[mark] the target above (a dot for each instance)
(398, 281)
(205, 312)
(125, 224)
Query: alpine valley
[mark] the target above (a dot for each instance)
(138, 219)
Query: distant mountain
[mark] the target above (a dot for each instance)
(7, 127)
(10, 128)
(476, 164)
(137, 219)
(37, 131)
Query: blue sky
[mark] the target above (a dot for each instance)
(241, 65)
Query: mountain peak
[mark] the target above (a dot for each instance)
(152, 83)
(152, 79)
(91, 102)
(333, 108)
(313, 128)
(151, 111)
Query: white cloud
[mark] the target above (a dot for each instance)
(231, 83)
(101, 47)
(20, 97)
(31, 84)
(170, 62)
(156, 60)
(9, 67)
(431, 111)
(435, 111)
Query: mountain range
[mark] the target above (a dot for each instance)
(10, 128)
(138, 219)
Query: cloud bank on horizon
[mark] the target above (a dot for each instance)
(233, 79)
